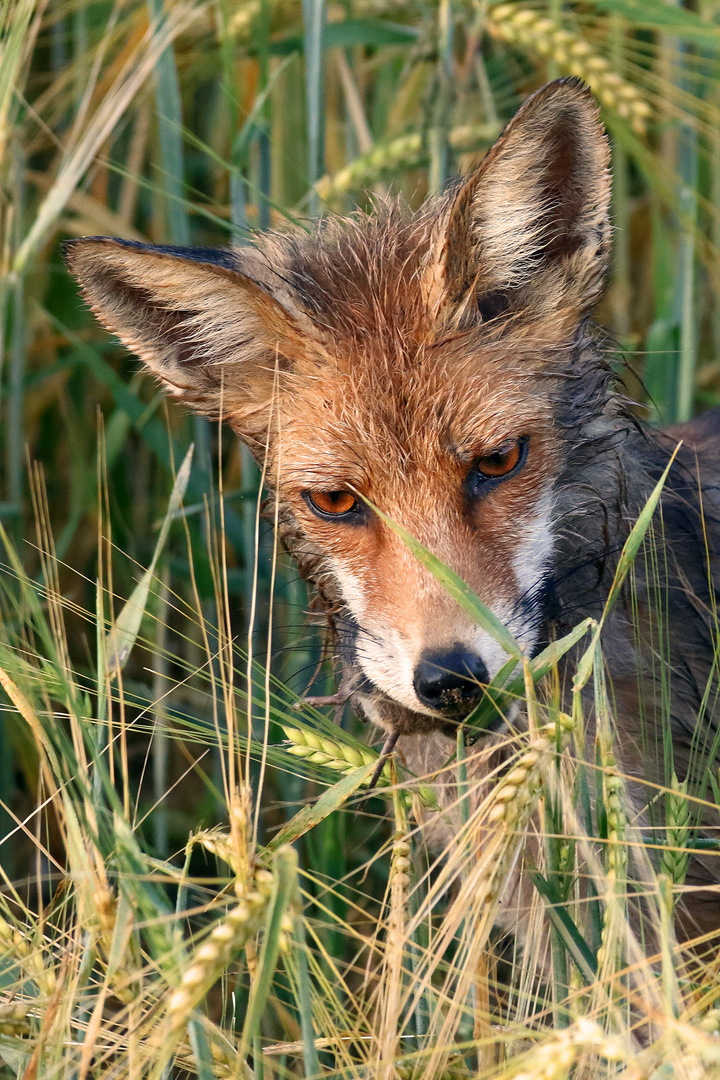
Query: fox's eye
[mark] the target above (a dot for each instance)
(507, 459)
(332, 503)
(500, 462)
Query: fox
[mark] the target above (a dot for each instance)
(442, 365)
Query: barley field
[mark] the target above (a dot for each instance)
(193, 880)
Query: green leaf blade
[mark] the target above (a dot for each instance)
(456, 587)
(330, 800)
(122, 637)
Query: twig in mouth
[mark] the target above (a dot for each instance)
(322, 699)
(348, 685)
(388, 747)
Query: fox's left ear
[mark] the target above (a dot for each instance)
(218, 329)
(530, 229)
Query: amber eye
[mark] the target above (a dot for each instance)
(500, 462)
(332, 503)
(486, 471)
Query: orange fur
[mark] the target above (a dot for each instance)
(389, 354)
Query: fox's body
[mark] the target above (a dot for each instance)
(442, 366)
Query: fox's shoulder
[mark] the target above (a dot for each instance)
(701, 434)
(698, 462)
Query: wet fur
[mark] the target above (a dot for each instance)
(386, 351)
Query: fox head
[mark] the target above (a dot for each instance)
(413, 362)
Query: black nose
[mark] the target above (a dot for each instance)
(449, 681)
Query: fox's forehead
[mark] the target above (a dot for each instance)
(383, 388)
(361, 277)
(370, 421)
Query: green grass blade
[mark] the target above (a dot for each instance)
(686, 295)
(585, 665)
(314, 20)
(635, 539)
(329, 801)
(438, 134)
(500, 694)
(571, 937)
(169, 110)
(122, 637)
(248, 131)
(310, 1057)
(546, 660)
(666, 17)
(625, 562)
(284, 889)
(201, 1051)
(497, 695)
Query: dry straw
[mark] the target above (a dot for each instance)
(496, 830)
(239, 925)
(515, 796)
(399, 884)
(555, 1058)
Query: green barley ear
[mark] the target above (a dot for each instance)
(676, 854)
(616, 859)
(401, 154)
(14, 1020)
(24, 949)
(343, 758)
(331, 753)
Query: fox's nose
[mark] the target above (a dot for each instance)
(449, 681)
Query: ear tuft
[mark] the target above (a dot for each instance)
(532, 223)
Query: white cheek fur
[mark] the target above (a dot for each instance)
(352, 590)
(534, 552)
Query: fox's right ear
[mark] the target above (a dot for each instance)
(529, 231)
(214, 335)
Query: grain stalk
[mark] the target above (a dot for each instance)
(235, 929)
(390, 994)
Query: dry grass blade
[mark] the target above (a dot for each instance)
(78, 157)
